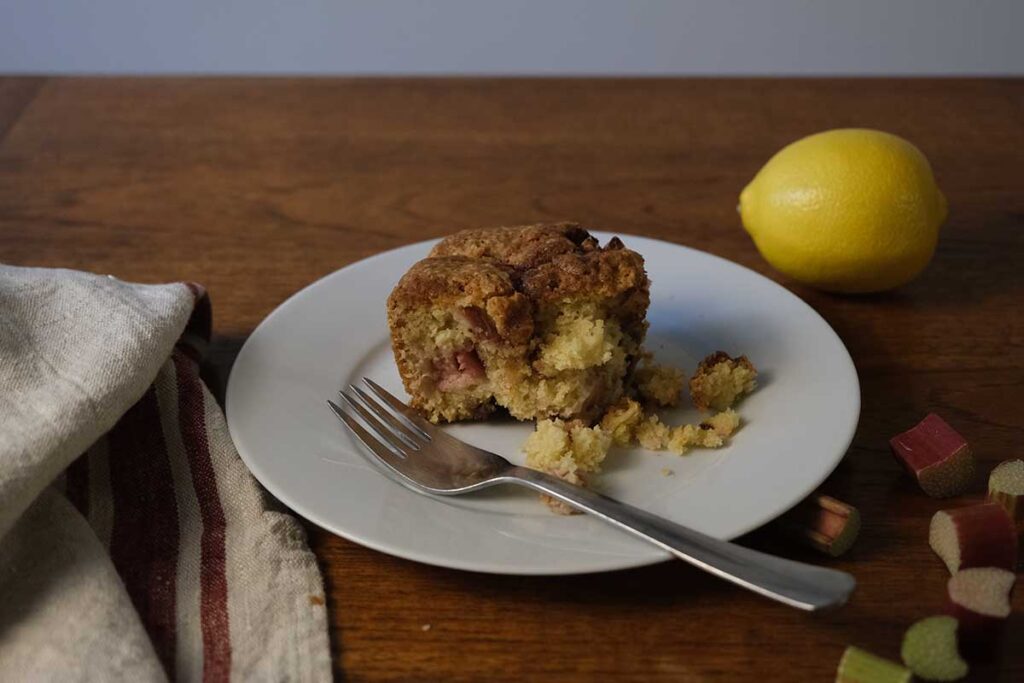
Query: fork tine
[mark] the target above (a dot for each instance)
(379, 453)
(376, 425)
(368, 439)
(412, 439)
(418, 424)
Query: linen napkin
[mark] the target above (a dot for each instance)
(134, 543)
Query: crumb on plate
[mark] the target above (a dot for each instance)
(567, 450)
(712, 433)
(658, 384)
(720, 380)
(571, 450)
(621, 421)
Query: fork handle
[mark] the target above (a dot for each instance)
(796, 584)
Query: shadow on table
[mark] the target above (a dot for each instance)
(216, 365)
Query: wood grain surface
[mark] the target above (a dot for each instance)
(256, 187)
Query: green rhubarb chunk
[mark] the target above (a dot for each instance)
(860, 666)
(930, 650)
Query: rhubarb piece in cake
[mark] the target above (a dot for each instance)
(720, 380)
(450, 318)
(540, 320)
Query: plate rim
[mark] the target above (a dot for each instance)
(619, 563)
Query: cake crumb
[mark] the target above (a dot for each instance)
(720, 380)
(559, 447)
(723, 423)
(712, 433)
(621, 421)
(425, 627)
(652, 434)
(658, 384)
(567, 450)
(571, 450)
(655, 435)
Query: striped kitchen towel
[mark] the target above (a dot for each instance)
(134, 543)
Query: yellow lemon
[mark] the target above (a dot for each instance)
(848, 210)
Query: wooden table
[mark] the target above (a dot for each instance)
(257, 187)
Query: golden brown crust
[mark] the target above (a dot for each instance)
(521, 246)
(597, 274)
(546, 262)
(512, 316)
(555, 261)
(484, 293)
(467, 281)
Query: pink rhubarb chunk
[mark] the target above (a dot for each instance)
(936, 456)
(979, 598)
(974, 536)
(459, 371)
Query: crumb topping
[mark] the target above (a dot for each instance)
(523, 246)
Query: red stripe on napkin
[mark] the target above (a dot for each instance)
(144, 539)
(214, 587)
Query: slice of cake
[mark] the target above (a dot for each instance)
(540, 320)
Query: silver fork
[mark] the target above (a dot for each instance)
(428, 460)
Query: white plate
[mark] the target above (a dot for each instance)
(797, 425)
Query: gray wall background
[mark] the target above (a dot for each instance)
(513, 36)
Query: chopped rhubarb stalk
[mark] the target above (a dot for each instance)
(477, 320)
(936, 455)
(930, 650)
(460, 370)
(979, 599)
(824, 523)
(975, 536)
(860, 666)
(1006, 487)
